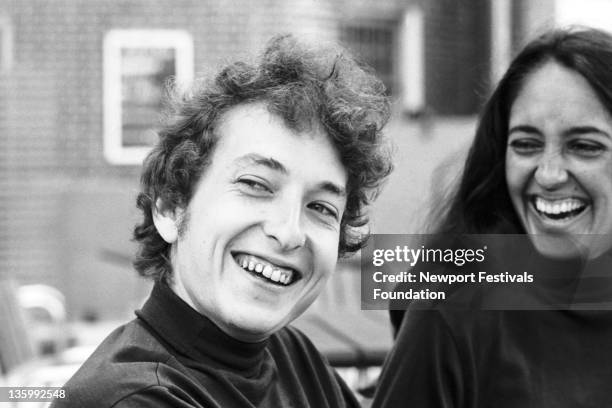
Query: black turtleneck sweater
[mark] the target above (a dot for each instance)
(452, 358)
(172, 356)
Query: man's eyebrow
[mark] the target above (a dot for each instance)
(333, 188)
(259, 160)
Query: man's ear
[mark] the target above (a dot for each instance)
(166, 221)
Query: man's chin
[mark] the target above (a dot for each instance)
(256, 325)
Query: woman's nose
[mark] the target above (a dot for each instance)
(551, 171)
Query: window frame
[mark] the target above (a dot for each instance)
(114, 41)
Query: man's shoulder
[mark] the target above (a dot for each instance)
(290, 344)
(128, 361)
(293, 340)
(297, 356)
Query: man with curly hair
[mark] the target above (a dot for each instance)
(258, 184)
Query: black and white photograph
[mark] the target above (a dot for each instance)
(305, 203)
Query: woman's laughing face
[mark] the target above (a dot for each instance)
(559, 163)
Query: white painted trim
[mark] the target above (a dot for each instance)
(501, 38)
(6, 57)
(114, 41)
(592, 13)
(412, 60)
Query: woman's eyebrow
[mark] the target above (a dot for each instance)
(524, 129)
(584, 130)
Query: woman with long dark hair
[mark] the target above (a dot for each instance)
(541, 165)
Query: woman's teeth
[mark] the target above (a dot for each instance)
(270, 271)
(559, 209)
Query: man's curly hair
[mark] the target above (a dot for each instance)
(308, 87)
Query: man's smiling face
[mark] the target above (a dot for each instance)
(260, 235)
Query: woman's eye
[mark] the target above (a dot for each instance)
(586, 148)
(525, 146)
(324, 210)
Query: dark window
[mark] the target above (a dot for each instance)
(374, 43)
(144, 74)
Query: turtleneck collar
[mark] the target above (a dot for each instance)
(195, 336)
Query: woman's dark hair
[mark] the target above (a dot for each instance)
(481, 204)
(308, 87)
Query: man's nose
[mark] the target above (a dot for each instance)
(551, 171)
(284, 225)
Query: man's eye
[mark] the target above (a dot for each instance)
(526, 146)
(586, 148)
(254, 185)
(325, 210)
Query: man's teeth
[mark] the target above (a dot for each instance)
(272, 272)
(558, 207)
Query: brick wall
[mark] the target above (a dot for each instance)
(65, 213)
